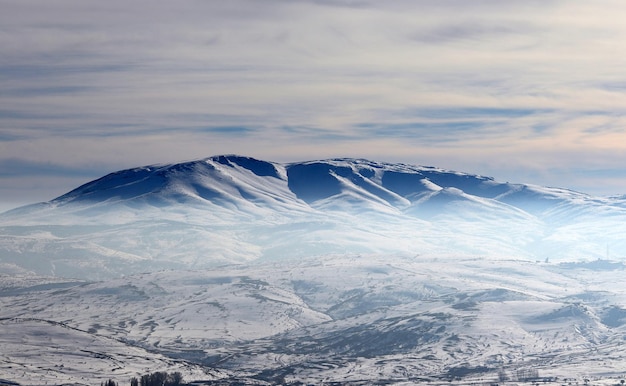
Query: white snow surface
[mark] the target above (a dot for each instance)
(342, 270)
(367, 319)
(234, 209)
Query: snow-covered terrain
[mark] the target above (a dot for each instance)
(244, 271)
(364, 319)
(233, 209)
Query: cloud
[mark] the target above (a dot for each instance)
(463, 31)
(238, 131)
(26, 92)
(23, 168)
(484, 86)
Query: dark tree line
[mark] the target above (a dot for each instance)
(160, 378)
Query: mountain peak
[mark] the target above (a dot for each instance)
(233, 208)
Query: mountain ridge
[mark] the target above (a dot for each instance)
(231, 209)
(310, 181)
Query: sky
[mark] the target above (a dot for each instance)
(527, 91)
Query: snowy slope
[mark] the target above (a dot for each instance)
(373, 319)
(233, 209)
(47, 352)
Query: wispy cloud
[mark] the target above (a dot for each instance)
(467, 31)
(25, 168)
(238, 131)
(504, 88)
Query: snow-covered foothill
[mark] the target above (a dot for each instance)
(371, 319)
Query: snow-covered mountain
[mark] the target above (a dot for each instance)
(229, 209)
(344, 271)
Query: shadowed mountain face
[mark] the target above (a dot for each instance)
(227, 209)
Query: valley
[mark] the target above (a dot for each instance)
(361, 319)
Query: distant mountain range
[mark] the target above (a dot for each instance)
(232, 209)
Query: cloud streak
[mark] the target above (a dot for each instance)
(520, 90)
